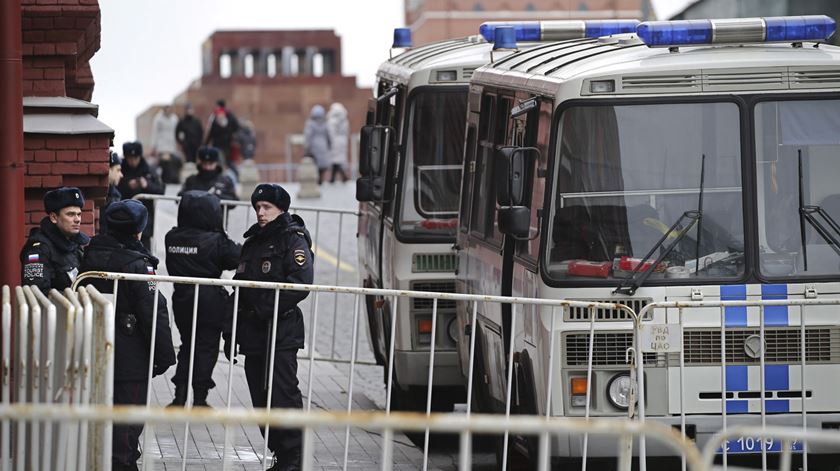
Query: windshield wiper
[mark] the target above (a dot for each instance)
(631, 283)
(813, 214)
(637, 278)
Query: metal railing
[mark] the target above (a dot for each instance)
(64, 358)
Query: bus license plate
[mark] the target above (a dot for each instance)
(753, 445)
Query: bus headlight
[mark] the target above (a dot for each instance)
(618, 391)
(452, 330)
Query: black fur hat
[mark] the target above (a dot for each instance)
(114, 160)
(273, 193)
(56, 200)
(208, 154)
(133, 149)
(126, 217)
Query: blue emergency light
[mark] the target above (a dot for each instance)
(402, 38)
(559, 30)
(736, 30)
(504, 38)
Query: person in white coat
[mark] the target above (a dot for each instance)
(339, 129)
(165, 144)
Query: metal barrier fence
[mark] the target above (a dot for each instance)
(759, 332)
(544, 424)
(63, 356)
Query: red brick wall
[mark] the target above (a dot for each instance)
(59, 38)
(53, 161)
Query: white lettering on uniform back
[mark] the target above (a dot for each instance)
(182, 250)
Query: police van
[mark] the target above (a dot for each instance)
(411, 164)
(687, 161)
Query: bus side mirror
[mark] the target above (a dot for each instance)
(511, 166)
(370, 188)
(374, 145)
(515, 221)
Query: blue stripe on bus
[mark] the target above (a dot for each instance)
(737, 378)
(776, 377)
(777, 405)
(775, 315)
(734, 316)
(737, 407)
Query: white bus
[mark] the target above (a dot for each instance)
(706, 154)
(411, 163)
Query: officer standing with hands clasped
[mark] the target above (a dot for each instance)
(199, 247)
(50, 257)
(119, 250)
(277, 249)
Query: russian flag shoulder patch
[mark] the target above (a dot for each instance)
(33, 257)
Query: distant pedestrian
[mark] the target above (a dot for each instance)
(199, 247)
(189, 133)
(51, 255)
(221, 127)
(339, 131)
(114, 195)
(138, 178)
(317, 140)
(278, 249)
(119, 250)
(247, 140)
(165, 145)
(210, 177)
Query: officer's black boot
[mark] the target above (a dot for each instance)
(200, 398)
(180, 397)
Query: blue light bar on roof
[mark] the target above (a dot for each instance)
(402, 38)
(736, 30)
(559, 30)
(505, 38)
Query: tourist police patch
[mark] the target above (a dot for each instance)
(300, 257)
(266, 266)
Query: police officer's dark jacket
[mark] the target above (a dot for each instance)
(134, 308)
(213, 182)
(155, 187)
(49, 259)
(199, 247)
(279, 252)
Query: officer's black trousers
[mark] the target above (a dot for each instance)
(126, 437)
(207, 336)
(284, 395)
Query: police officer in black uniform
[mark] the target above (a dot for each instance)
(210, 177)
(119, 250)
(199, 247)
(114, 195)
(138, 178)
(277, 249)
(50, 257)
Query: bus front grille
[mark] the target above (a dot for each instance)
(424, 304)
(782, 345)
(610, 349)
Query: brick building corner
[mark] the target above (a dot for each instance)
(64, 143)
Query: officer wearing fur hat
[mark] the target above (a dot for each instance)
(119, 250)
(138, 178)
(50, 257)
(277, 249)
(199, 247)
(210, 177)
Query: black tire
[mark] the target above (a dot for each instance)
(375, 341)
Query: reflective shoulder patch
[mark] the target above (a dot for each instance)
(35, 244)
(300, 257)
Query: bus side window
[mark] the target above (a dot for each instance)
(466, 178)
(478, 213)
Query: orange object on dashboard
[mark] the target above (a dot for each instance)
(590, 269)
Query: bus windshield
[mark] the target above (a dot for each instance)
(433, 163)
(625, 174)
(797, 164)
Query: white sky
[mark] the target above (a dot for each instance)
(151, 49)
